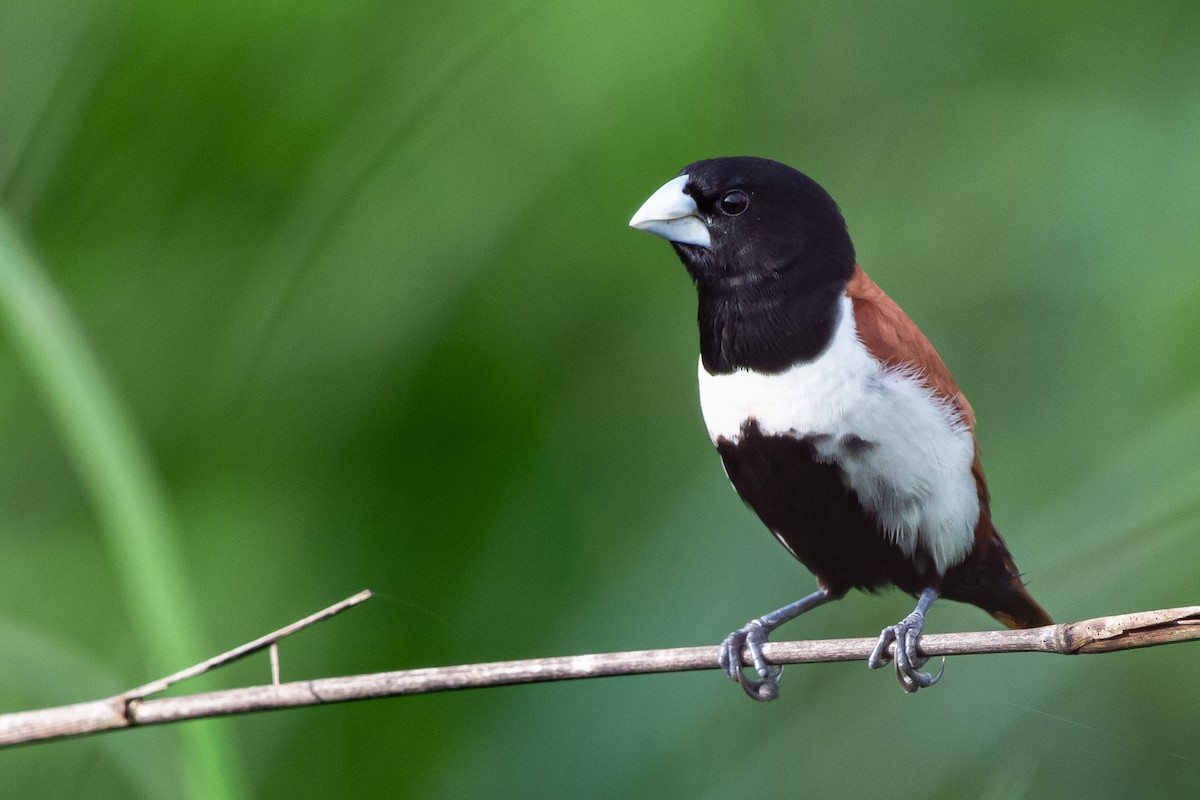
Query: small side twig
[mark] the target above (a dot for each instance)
(229, 656)
(119, 711)
(1100, 635)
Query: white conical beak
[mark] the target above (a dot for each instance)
(673, 215)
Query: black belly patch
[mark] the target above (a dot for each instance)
(804, 500)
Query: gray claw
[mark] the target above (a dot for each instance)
(907, 634)
(753, 636)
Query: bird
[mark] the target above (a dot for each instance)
(835, 418)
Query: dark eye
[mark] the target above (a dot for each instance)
(734, 203)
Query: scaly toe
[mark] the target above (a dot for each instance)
(909, 660)
(879, 656)
(730, 656)
(752, 636)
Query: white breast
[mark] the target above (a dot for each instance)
(915, 478)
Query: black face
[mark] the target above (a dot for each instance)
(780, 258)
(769, 225)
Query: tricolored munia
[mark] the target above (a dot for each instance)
(835, 418)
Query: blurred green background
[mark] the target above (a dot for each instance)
(304, 297)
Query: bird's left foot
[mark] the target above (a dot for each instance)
(907, 634)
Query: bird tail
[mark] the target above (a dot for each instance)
(989, 579)
(1016, 608)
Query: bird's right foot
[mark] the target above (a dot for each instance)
(753, 635)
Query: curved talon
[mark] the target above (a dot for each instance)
(907, 634)
(909, 661)
(913, 679)
(753, 635)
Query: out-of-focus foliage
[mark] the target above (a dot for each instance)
(359, 276)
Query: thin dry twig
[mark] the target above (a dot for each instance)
(1101, 635)
(262, 642)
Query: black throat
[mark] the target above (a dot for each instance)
(764, 327)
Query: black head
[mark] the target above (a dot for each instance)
(769, 252)
(765, 223)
